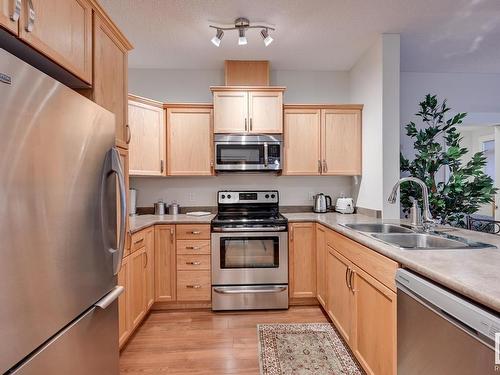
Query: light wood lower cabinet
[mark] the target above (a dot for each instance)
(193, 286)
(189, 137)
(137, 286)
(165, 263)
(150, 268)
(321, 264)
(302, 260)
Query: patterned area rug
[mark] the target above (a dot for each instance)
(304, 349)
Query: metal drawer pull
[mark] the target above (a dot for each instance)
(31, 17)
(138, 241)
(195, 232)
(193, 286)
(194, 263)
(193, 247)
(250, 291)
(17, 11)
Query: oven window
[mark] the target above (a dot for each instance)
(249, 252)
(240, 154)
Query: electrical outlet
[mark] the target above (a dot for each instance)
(191, 197)
(311, 195)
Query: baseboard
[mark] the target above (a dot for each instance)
(309, 301)
(174, 305)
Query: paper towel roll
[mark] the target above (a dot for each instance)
(132, 204)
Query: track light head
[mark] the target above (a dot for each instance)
(242, 40)
(267, 38)
(217, 38)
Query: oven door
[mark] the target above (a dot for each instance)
(249, 258)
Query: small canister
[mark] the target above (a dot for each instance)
(173, 209)
(160, 208)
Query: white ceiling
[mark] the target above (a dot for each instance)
(436, 35)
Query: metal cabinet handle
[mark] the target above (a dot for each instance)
(246, 125)
(193, 247)
(319, 166)
(251, 124)
(31, 16)
(347, 277)
(325, 166)
(16, 12)
(195, 232)
(129, 133)
(147, 259)
(172, 235)
(194, 263)
(193, 286)
(351, 280)
(161, 166)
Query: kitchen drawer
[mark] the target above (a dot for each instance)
(193, 231)
(193, 247)
(193, 286)
(189, 262)
(377, 265)
(138, 240)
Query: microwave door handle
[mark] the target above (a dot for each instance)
(266, 154)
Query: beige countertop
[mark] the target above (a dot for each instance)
(472, 273)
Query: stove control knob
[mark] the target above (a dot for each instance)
(229, 196)
(223, 196)
(267, 196)
(273, 196)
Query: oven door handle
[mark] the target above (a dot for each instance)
(280, 228)
(235, 290)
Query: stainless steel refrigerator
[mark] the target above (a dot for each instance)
(59, 251)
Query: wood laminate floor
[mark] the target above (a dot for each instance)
(204, 342)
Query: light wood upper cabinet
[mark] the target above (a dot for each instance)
(322, 140)
(341, 142)
(321, 265)
(375, 311)
(230, 112)
(147, 137)
(302, 260)
(302, 142)
(165, 263)
(61, 30)
(339, 295)
(137, 263)
(189, 135)
(265, 111)
(9, 15)
(245, 110)
(110, 85)
(124, 323)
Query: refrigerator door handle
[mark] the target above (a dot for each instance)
(109, 298)
(112, 166)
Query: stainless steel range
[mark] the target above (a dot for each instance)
(249, 252)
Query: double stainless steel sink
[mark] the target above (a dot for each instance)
(409, 238)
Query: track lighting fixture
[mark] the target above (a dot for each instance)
(218, 37)
(242, 25)
(265, 35)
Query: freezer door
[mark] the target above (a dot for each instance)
(88, 346)
(56, 260)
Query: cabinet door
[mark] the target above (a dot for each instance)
(189, 141)
(150, 268)
(10, 11)
(124, 323)
(302, 260)
(341, 142)
(302, 142)
(165, 263)
(339, 296)
(124, 163)
(230, 112)
(265, 111)
(147, 139)
(321, 265)
(137, 286)
(110, 78)
(61, 30)
(375, 311)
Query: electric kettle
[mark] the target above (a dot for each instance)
(322, 203)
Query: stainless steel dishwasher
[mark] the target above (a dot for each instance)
(440, 333)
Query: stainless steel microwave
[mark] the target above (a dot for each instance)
(248, 153)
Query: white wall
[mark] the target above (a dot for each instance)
(193, 85)
(374, 82)
(201, 191)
